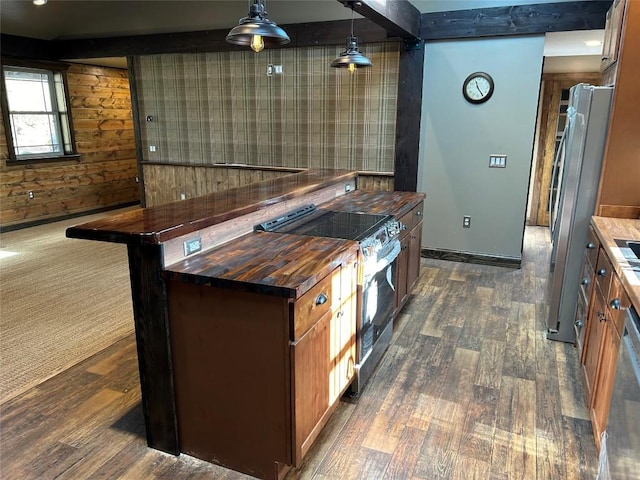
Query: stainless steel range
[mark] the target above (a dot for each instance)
(380, 247)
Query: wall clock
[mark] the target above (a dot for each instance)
(477, 87)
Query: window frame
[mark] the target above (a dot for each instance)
(54, 69)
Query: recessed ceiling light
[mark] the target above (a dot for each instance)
(593, 43)
(40, 2)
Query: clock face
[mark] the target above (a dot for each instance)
(478, 87)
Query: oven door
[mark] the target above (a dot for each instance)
(378, 301)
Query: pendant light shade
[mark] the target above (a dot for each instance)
(351, 58)
(256, 30)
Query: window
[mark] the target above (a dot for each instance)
(36, 115)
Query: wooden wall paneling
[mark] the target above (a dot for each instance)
(620, 180)
(104, 176)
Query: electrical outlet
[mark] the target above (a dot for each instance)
(182, 196)
(192, 245)
(152, 148)
(466, 221)
(31, 195)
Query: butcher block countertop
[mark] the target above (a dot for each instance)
(283, 264)
(158, 224)
(609, 230)
(262, 262)
(385, 203)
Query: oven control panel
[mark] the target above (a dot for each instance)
(373, 245)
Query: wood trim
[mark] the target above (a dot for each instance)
(514, 20)
(408, 115)
(135, 113)
(619, 211)
(551, 92)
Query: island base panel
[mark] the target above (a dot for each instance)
(231, 368)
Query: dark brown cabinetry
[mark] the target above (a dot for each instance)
(257, 376)
(408, 269)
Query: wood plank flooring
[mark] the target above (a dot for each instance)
(469, 389)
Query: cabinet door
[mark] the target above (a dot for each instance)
(413, 273)
(311, 383)
(606, 376)
(613, 30)
(343, 331)
(402, 266)
(595, 333)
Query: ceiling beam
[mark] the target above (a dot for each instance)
(514, 20)
(398, 17)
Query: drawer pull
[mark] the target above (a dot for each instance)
(419, 213)
(602, 272)
(591, 245)
(585, 281)
(579, 323)
(615, 304)
(321, 299)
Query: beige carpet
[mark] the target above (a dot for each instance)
(61, 301)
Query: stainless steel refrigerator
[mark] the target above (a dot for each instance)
(575, 179)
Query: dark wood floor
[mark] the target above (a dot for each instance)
(469, 389)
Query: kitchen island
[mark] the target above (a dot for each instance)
(245, 339)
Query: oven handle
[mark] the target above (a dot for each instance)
(375, 265)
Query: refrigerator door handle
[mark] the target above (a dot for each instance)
(550, 202)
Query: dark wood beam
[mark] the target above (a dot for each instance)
(409, 108)
(23, 47)
(301, 34)
(514, 20)
(399, 17)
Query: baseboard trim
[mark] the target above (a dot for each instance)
(464, 257)
(44, 221)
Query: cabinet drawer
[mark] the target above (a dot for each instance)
(592, 248)
(412, 218)
(309, 308)
(603, 275)
(618, 304)
(586, 280)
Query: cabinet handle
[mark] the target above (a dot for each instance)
(602, 272)
(585, 281)
(322, 298)
(591, 245)
(616, 305)
(579, 323)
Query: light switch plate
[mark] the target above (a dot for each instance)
(497, 161)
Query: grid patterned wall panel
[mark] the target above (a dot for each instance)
(222, 108)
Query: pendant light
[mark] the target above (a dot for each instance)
(256, 30)
(351, 58)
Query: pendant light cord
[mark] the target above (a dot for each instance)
(352, 20)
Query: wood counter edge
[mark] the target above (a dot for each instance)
(92, 230)
(608, 230)
(341, 254)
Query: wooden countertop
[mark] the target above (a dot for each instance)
(155, 225)
(283, 264)
(262, 262)
(609, 230)
(387, 203)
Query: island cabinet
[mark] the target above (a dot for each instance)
(258, 374)
(408, 266)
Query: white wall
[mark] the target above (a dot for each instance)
(457, 138)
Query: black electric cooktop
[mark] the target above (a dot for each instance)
(327, 223)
